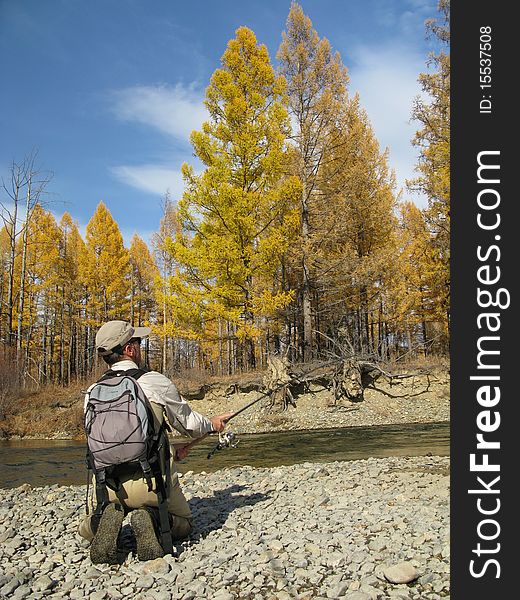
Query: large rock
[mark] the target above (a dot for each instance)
(401, 573)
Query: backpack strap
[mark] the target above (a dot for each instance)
(162, 505)
(162, 481)
(134, 373)
(101, 497)
(147, 472)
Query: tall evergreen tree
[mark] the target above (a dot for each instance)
(71, 249)
(355, 251)
(144, 273)
(106, 270)
(416, 296)
(38, 323)
(162, 242)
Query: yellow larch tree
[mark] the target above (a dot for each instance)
(5, 261)
(415, 293)
(107, 272)
(317, 87)
(40, 318)
(105, 275)
(166, 326)
(433, 140)
(144, 273)
(72, 305)
(354, 251)
(237, 215)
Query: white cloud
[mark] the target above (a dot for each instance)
(386, 79)
(154, 179)
(174, 110)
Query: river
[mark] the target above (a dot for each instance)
(62, 462)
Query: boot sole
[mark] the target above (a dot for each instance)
(148, 546)
(104, 545)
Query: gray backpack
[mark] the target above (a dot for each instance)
(121, 438)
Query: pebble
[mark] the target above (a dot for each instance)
(259, 534)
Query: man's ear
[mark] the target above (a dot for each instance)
(129, 350)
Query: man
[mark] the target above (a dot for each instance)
(119, 345)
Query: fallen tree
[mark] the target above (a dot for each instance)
(347, 379)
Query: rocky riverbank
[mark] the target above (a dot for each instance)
(361, 530)
(57, 413)
(421, 399)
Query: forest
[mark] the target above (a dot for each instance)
(292, 240)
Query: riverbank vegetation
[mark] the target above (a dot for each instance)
(292, 239)
(54, 411)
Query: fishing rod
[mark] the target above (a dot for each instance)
(229, 439)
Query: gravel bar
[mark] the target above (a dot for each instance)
(360, 530)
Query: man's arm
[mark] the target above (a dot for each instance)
(180, 415)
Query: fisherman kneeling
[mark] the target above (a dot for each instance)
(149, 489)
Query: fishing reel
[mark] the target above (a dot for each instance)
(225, 440)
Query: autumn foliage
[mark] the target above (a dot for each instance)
(291, 239)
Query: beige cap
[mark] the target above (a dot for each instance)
(115, 334)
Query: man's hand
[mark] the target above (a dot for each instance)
(220, 421)
(181, 453)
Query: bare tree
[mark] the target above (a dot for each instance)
(23, 192)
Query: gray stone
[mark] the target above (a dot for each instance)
(93, 573)
(144, 582)
(42, 584)
(185, 576)
(338, 590)
(8, 533)
(403, 572)
(9, 588)
(158, 566)
(22, 592)
(357, 596)
(223, 595)
(161, 595)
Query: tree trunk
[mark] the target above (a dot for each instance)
(10, 291)
(424, 337)
(277, 380)
(306, 284)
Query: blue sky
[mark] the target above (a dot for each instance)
(109, 90)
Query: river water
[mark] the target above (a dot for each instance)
(48, 462)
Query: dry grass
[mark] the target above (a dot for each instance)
(432, 364)
(51, 411)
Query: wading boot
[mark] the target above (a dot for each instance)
(148, 546)
(104, 545)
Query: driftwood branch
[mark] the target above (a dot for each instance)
(277, 381)
(427, 389)
(347, 379)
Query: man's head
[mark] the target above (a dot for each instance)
(117, 340)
